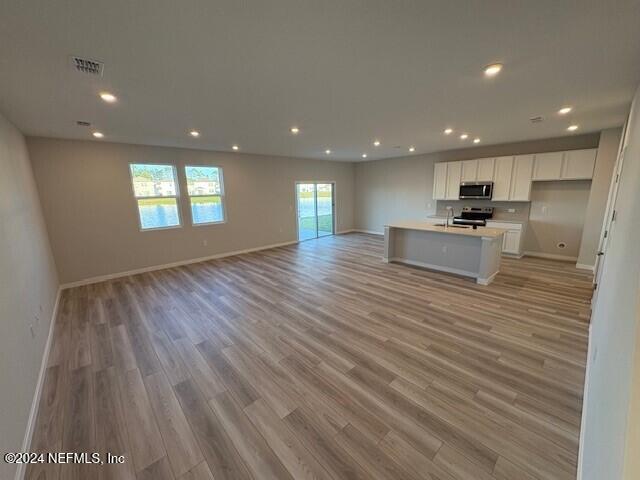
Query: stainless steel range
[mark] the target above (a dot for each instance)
(474, 216)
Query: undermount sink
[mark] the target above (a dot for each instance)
(450, 226)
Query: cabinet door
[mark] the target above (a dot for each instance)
(511, 242)
(485, 170)
(469, 170)
(502, 178)
(454, 171)
(548, 166)
(440, 181)
(578, 164)
(521, 178)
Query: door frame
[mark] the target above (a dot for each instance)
(333, 206)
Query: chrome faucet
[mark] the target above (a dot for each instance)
(446, 223)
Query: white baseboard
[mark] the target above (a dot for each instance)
(488, 280)
(111, 276)
(371, 232)
(551, 256)
(35, 403)
(583, 266)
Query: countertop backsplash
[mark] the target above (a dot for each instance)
(500, 212)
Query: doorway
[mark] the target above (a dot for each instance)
(315, 209)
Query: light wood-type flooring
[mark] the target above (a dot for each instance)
(318, 360)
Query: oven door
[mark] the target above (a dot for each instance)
(481, 190)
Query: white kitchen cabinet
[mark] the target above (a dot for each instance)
(513, 237)
(454, 172)
(521, 178)
(502, 178)
(469, 170)
(440, 181)
(485, 170)
(511, 242)
(548, 166)
(578, 164)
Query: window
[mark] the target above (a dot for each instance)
(206, 193)
(156, 190)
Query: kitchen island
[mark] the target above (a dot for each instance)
(453, 249)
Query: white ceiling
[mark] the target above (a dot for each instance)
(346, 72)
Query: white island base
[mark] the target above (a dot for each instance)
(461, 251)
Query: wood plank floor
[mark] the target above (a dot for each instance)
(319, 361)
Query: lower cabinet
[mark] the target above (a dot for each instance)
(513, 237)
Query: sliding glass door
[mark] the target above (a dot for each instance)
(315, 208)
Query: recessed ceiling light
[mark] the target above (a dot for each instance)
(476, 140)
(565, 110)
(412, 148)
(572, 128)
(327, 151)
(98, 134)
(194, 133)
(376, 143)
(464, 136)
(235, 147)
(295, 130)
(108, 97)
(448, 131)
(493, 69)
(364, 155)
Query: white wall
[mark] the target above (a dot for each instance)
(93, 221)
(28, 288)
(401, 188)
(613, 336)
(595, 208)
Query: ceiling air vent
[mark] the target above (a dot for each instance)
(537, 119)
(86, 65)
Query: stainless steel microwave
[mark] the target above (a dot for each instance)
(480, 190)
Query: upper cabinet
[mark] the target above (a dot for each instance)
(440, 181)
(548, 166)
(454, 173)
(521, 178)
(570, 165)
(485, 169)
(469, 170)
(502, 178)
(578, 164)
(512, 175)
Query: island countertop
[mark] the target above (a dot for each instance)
(484, 232)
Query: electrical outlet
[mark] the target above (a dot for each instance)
(205, 242)
(444, 249)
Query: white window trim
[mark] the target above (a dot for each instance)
(221, 195)
(176, 197)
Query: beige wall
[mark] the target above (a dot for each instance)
(93, 222)
(613, 334)
(28, 288)
(401, 188)
(632, 459)
(600, 184)
(557, 216)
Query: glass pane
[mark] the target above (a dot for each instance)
(325, 209)
(203, 180)
(307, 227)
(153, 180)
(158, 212)
(206, 209)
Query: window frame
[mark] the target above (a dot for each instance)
(176, 197)
(221, 195)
